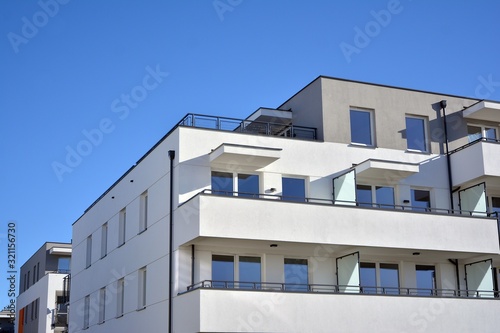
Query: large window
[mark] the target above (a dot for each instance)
(375, 196)
(63, 264)
(296, 274)
(389, 278)
(250, 272)
(222, 183)
(368, 277)
(243, 185)
(248, 185)
(426, 280)
(223, 271)
(224, 274)
(293, 189)
(88, 259)
(476, 132)
(416, 138)
(362, 128)
(420, 200)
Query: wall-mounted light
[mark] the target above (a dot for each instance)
(131, 180)
(112, 197)
(416, 253)
(272, 189)
(273, 245)
(406, 201)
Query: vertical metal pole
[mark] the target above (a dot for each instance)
(171, 155)
(448, 162)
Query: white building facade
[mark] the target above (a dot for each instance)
(348, 207)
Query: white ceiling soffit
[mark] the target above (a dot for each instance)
(60, 250)
(271, 116)
(389, 171)
(250, 156)
(484, 110)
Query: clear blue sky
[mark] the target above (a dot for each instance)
(67, 69)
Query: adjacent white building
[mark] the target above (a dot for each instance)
(348, 207)
(44, 290)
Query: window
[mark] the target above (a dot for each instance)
(426, 280)
(37, 303)
(143, 219)
(420, 200)
(296, 274)
(38, 271)
(34, 274)
(416, 138)
(368, 278)
(121, 227)
(476, 132)
(86, 312)
(293, 189)
(243, 185)
(495, 205)
(142, 288)
(362, 127)
(102, 305)
(89, 251)
(249, 272)
(389, 278)
(120, 297)
(104, 240)
(222, 271)
(63, 264)
(28, 280)
(375, 196)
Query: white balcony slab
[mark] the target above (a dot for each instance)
(484, 110)
(257, 157)
(375, 169)
(481, 159)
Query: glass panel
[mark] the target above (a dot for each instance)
(222, 183)
(361, 127)
(294, 189)
(364, 195)
(389, 278)
(473, 200)
(344, 189)
(474, 133)
(296, 275)
(368, 277)
(420, 200)
(250, 271)
(348, 273)
(426, 280)
(479, 279)
(223, 270)
(415, 134)
(384, 196)
(63, 265)
(248, 186)
(490, 133)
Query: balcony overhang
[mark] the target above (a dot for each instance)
(484, 110)
(274, 116)
(60, 251)
(252, 156)
(373, 169)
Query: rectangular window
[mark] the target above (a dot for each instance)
(293, 189)
(102, 305)
(368, 278)
(416, 138)
(120, 297)
(222, 271)
(389, 278)
(364, 195)
(24, 280)
(32, 310)
(37, 302)
(248, 185)
(490, 133)
(420, 200)
(296, 274)
(86, 312)
(142, 288)
(34, 274)
(384, 196)
(143, 220)
(104, 240)
(26, 314)
(474, 133)
(38, 271)
(250, 272)
(28, 280)
(122, 226)
(88, 259)
(426, 280)
(362, 128)
(495, 205)
(63, 265)
(222, 183)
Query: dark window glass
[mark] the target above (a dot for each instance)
(222, 183)
(361, 128)
(248, 186)
(490, 134)
(250, 271)
(294, 189)
(421, 200)
(63, 265)
(364, 195)
(368, 278)
(385, 196)
(474, 133)
(389, 278)
(296, 274)
(495, 204)
(415, 134)
(426, 282)
(223, 271)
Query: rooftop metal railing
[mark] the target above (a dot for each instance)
(248, 126)
(341, 289)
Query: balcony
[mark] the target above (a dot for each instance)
(476, 161)
(266, 218)
(218, 310)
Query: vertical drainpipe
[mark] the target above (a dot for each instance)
(171, 155)
(192, 264)
(448, 162)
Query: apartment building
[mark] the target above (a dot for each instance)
(44, 290)
(349, 207)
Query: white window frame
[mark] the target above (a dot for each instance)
(371, 112)
(483, 129)
(426, 133)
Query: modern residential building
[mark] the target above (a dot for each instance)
(6, 321)
(44, 290)
(349, 207)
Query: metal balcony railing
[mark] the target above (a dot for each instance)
(248, 126)
(342, 289)
(482, 139)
